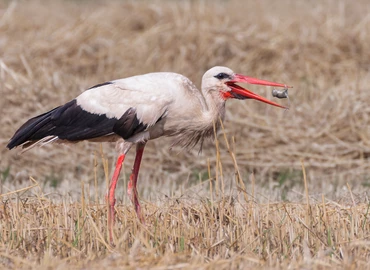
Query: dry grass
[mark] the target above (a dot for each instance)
(38, 233)
(199, 214)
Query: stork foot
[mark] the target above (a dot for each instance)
(132, 194)
(111, 217)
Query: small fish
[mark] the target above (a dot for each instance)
(280, 93)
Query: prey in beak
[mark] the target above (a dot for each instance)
(241, 93)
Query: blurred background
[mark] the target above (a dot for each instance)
(51, 51)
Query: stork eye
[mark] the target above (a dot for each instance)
(222, 76)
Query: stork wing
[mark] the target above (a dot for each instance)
(125, 107)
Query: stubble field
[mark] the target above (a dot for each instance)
(276, 189)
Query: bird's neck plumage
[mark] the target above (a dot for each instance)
(215, 105)
(208, 108)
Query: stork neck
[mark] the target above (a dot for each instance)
(215, 104)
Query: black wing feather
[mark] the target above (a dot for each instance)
(128, 124)
(70, 122)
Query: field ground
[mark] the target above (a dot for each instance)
(277, 189)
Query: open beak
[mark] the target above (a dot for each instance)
(242, 93)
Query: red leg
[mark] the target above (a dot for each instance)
(111, 197)
(131, 186)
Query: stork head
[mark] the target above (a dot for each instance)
(224, 81)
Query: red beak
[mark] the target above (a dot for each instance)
(242, 93)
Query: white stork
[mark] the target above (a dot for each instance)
(137, 109)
